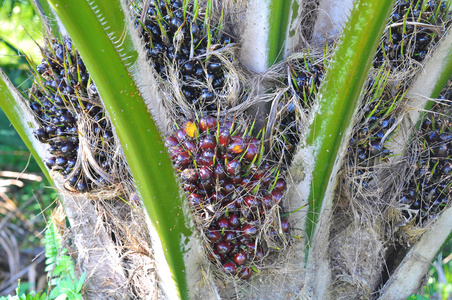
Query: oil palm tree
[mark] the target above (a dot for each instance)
(274, 37)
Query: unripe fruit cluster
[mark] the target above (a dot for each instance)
(229, 189)
(406, 37)
(367, 142)
(61, 94)
(428, 192)
(305, 82)
(201, 79)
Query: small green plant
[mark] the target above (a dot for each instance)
(60, 268)
(63, 283)
(31, 296)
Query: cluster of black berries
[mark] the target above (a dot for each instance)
(406, 37)
(173, 37)
(305, 83)
(367, 142)
(230, 190)
(61, 94)
(429, 189)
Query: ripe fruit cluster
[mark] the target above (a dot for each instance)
(230, 190)
(428, 192)
(60, 97)
(201, 77)
(406, 37)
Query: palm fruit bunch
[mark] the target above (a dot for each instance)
(63, 97)
(233, 193)
(306, 77)
(428, 191)
(176, 39)
(373, 126)
(407, 36)
(306, 80)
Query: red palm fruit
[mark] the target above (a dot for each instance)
(208, 143)
(218, 171)
(213, 235)
(250, 247)
(233, 168)
(229, 236)
(230, 267)
(244, 273)
(284, 225)
(234, 220)
(226, 156)
(240, 258)
(183, 159)
(223, 137)
(249, 230)
(251, 152)
(223, 247)
(207, 122)
(239, 202)
(277, 195)
(251, 201)
(181, 135)
(189, 175)
(236, 145)
(190, 146)
(280, 185)
(223, 224)
(267, 201)
(258, 174)
(205, 173)
(206, 158)
(171, 141)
